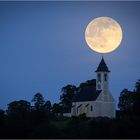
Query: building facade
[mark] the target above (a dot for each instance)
(95, 100)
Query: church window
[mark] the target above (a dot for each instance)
(99, 86)
(91, 108)
(99, 77)
(105, 77)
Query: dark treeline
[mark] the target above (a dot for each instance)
(42, 119)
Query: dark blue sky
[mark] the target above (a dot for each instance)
(42, 47)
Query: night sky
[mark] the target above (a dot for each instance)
(42, 48)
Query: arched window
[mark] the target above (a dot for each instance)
(105, 77)
(99, 77)
(91, 108)
(99, 86)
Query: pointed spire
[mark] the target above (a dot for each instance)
(102, 66)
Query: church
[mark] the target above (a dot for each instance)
(95, 100)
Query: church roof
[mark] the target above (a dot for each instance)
(88, 93)
(102, 66)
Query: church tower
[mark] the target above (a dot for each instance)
(95, 101)
(106, 100)
(102, 76)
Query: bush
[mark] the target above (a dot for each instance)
(45, 130)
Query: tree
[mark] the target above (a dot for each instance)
(38, 112)
(48, 106)
(136, 106)
(45, 131)
(137, 87)
(2, 117)
(57, 108)
(126, 101)
(129, 101)
(19, 109)
(38, 100)
(67, 95)
(88, 83)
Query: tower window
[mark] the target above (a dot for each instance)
(91, 108)
(99, 77)
(99, 86)
(105, 77)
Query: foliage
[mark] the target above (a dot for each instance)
(42, 110)
(48, 106)
(44, 120)
(129, 101)
(2, 117)
(126, 100)
(38, 100)
(19, 109)
(67, 95)
(136, 106)
(44, 130)
(88, 83)
(69, 91)
(137, 87)
(57, 108)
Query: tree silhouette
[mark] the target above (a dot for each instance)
(57, 108)
(136, 105)
(48, 106)
(43, 121)
(19, 109)
(18, 122)
(129, 101)
(38, 112)
(88, 83)
(39, 101)
(2, 117)
(126, 101)
(67, 95)
(137, 86)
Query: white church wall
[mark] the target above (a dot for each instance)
(105, 96)
(104, 109)
(105, 105)
(67, 114)
(85, 107)
(99, 108)
(73, 109)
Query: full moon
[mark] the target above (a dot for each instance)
(103, 34)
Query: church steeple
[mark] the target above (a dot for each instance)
(102, 76)
(102, 66)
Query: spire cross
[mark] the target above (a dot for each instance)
(102, 55)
